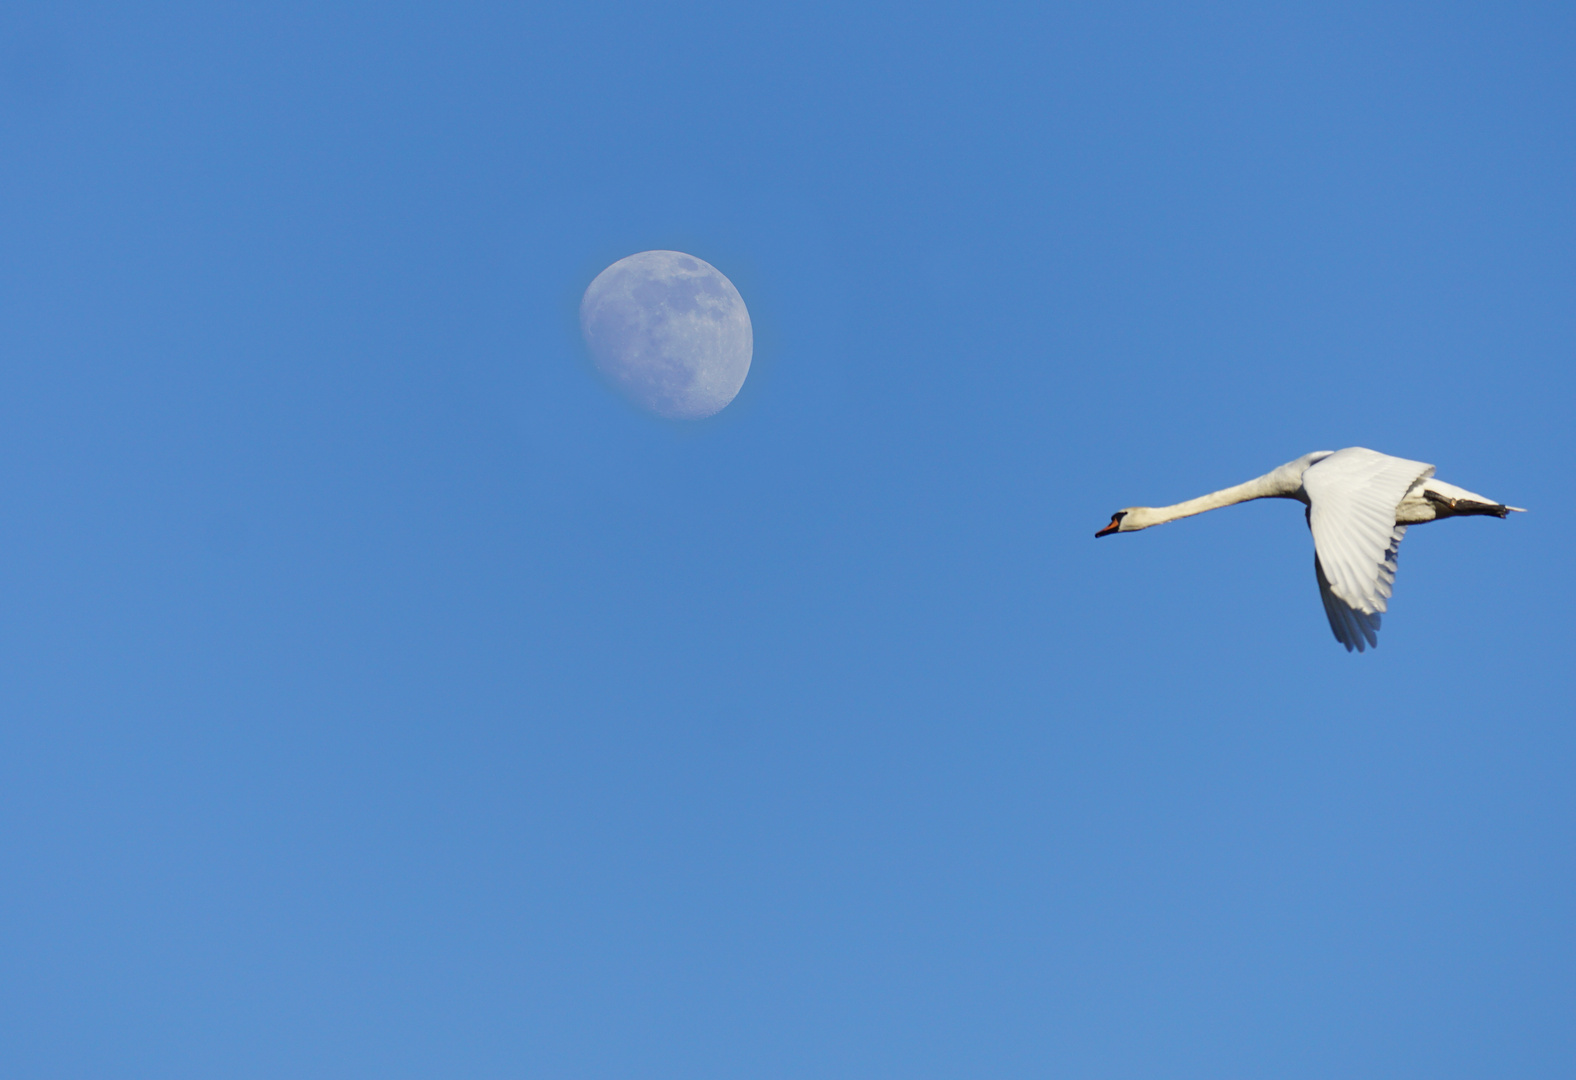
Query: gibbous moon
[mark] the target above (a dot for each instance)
(669, 332)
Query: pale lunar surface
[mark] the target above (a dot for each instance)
(669, 332)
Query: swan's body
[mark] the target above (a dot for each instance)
(1360, 503)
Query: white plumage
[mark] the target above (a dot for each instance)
(1360, 503)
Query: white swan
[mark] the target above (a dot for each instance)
(1359, 505)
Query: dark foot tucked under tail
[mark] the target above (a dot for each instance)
(1448, 507)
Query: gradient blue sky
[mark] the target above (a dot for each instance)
(382, 697)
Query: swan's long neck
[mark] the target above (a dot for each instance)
(1270, 485)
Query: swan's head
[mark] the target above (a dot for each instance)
(1130, 520)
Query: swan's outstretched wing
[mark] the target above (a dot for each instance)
(1352, 498)
(1353, 626)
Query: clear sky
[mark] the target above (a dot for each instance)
(381, 696)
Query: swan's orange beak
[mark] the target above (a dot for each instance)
(1116, 523)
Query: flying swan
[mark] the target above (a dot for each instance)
(1359, 505)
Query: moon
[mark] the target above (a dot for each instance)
(669, 332)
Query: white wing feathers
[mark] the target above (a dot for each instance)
(1352, 499)
(1353, 627)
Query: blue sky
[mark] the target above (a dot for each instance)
(382, 697)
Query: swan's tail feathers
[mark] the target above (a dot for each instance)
(1353, 627)
(1451, 501)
